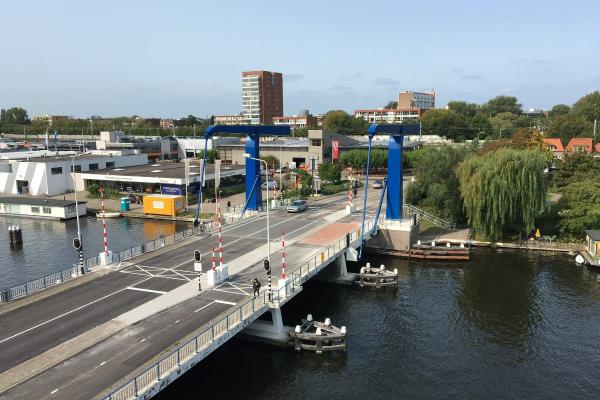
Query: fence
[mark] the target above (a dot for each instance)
(27, 288)
(223, 324)
(412, 210)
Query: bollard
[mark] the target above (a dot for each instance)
(448, 244)
(309, 318)
(418, 242)
(327, 321)
(343, 329)
(298, 329)
(382, 267)
(462, 245)
(319, 332)
(368, 266)
(433, 243)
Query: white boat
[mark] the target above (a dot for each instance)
(108, 214)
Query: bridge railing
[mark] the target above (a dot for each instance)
(412, 210)
(221, 325)
(56, 278)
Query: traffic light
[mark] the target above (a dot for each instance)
(267, 266)
(77, 243)
(197, 256)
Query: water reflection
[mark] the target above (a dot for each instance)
(502, 299)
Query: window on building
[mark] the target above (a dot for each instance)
(110, 164)
(315, 142)
(93, 167)
(56, 170)
(35, 210)
(46, 210)
(77, 168)
(71, 209)
(225, 156)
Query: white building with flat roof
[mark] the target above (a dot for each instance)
(53, 175)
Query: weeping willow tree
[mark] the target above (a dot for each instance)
(502, 190)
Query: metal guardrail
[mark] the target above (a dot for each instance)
(412, 210)
(222, 324)
(56, 278)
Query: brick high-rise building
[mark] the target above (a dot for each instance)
(262, 96)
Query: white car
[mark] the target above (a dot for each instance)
(271, 185)
(298, 206)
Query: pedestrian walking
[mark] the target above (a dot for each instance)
(256, 287)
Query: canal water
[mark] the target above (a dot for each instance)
(48, 247)
(505, 325)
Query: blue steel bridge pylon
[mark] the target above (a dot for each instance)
(253, 181)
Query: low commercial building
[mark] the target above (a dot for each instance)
(28, 173)
(297, 121)
(388, 116)
(157, 148)
(164, 178)
(319, 144)
(237, 119)
(41, 208)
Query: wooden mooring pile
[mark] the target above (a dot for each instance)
(318, 336)
(377, 277)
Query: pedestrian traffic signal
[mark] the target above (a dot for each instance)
(77, 243)
(267, 266)
(197, 256)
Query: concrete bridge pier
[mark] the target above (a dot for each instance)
(337, 271)
(270, 332)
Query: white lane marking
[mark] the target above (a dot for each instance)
(102, 363)
(231, 292)
(203, 307)
(177, 321)
(146, 290)
(143, 340)
(67, 313)
(54, 391)
(225, 302)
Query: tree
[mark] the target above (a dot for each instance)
(525, 138)
(481, 126)
(391, 105)
(330, 172)
(14, 116)
(357, 158)
(579, 209)
(446, 124)
(576, 167)
(503, 190)
(559, 109)
(503, 123)
(436, 185)
(211, 155)
(588, 107)
(568, 126)
(272, 161)
(341, 122)
(501, 104)
(464, 109)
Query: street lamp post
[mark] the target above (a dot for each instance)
(80, 248)
(247, 156)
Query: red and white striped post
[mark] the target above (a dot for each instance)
(220, 236)
(214, 267)
(282, 255)
(103, 221)
(350, 192)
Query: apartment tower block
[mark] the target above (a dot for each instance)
(262, 96)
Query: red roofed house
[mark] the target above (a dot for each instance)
(580, 145)
(556, 146)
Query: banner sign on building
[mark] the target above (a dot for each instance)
(335, 149)
(171, 189)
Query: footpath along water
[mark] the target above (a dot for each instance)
(505, 325)
(47, 244)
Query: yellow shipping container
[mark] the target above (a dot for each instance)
(163, 204)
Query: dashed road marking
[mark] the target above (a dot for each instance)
(146, 290)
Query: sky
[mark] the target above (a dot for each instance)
(174, 58)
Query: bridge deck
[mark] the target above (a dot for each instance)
(34, 330)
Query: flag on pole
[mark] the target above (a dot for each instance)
(217, 173)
